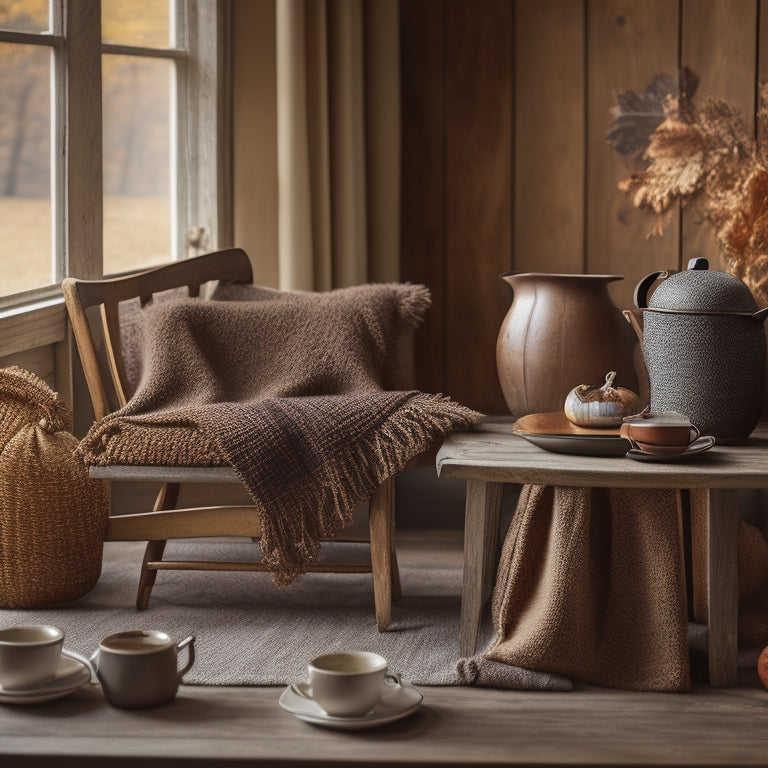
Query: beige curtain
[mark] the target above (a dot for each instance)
(338, 150)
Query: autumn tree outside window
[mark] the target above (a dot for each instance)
(111, 127)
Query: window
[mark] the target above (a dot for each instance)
(111, 128)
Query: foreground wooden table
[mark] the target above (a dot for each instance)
(493, 455)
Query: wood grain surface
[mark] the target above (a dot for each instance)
(495, 454)
(478, 202)
(550, 130)
(422, 206)
(628, 43)
(720, 45)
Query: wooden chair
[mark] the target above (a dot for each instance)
(93, 307)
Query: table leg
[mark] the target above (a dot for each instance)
(481, 535)
(723, 587)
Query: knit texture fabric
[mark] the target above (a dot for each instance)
(591, 586)
(293, 390)
(486, 673)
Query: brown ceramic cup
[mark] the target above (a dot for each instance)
(661, 450)
(654, 436)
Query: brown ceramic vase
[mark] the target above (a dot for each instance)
(561, 331)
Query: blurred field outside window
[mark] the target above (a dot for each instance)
(146, 102)
(25, 167)
(137, 135)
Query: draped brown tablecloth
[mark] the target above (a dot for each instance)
(592, 586)
(293, 390)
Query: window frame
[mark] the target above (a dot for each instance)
(202, 169)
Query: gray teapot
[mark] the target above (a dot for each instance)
(704, 347)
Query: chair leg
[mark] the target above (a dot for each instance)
(386, 576)
(166, 499)
(397, 591)
(152, 553)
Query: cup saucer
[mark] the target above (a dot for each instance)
(72, 672)
(700, 445)
(397, 702)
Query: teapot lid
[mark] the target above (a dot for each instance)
(702, 289)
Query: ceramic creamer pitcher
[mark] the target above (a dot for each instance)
(560, 331)
(705, 350)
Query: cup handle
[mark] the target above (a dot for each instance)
(302, 689)
(83, 660)
(696, 434)
(189, 643)
(392, 678)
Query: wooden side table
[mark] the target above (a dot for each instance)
(492, 455)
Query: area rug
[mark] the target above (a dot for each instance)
(250, 632)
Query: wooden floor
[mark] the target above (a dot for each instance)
(208, 726)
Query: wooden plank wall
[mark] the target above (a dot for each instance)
(505, 165)
(457, 186)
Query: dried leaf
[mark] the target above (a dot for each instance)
(637, 114)
(708, 154)
(756, 277)
(735, 212)
(762, 126)
(728, 138)
(675, 170)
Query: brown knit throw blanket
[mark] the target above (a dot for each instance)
(293, 390)
(591, 586)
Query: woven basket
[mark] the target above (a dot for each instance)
(52, 515)
(26, 399)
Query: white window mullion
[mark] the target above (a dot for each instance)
(180, 134)
(204, 152)
(58, 142)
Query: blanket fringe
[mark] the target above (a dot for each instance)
(290, 543)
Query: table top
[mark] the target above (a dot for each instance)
(492, 452)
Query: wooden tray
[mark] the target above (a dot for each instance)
(556, 423)
(553, 432)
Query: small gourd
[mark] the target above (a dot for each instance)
(762, 667)
(605, 406)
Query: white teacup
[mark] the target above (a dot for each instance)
(348, 684)
(29, 655)
(138, 669)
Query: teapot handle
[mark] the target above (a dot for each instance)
(641, 290)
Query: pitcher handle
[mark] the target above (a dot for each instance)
(641, 290)
(189, 643)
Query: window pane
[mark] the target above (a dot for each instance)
(25, 16)
(25, 168)
(137, 166)
(144, 23)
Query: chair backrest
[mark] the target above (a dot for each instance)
(94, 307)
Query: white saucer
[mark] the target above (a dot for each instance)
(72, 673)
(397, 702)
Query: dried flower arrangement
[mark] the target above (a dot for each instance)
(706, 153)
